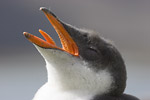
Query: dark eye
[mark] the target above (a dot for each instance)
(92, 54)
(93, 49)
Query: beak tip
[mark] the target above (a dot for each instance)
(40, 30)
(42, 8)
(26, 34)
(45, 10)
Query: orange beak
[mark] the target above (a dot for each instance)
(67, 42)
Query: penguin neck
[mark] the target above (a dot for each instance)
(68, 73)
(77, 78)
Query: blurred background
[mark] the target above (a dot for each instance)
(126, 22)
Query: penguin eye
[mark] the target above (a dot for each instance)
(91, 54)
(93, 49)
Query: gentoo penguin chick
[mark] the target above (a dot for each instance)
(87, 67)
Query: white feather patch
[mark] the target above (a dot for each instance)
(70, 78)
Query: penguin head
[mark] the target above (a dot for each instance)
(86, 61)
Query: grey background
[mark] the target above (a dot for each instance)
(126, 22)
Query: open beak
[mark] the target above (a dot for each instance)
(67, 42)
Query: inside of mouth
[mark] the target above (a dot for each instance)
(49, 39)
(66, 44)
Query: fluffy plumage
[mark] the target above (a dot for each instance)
(98, 73)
